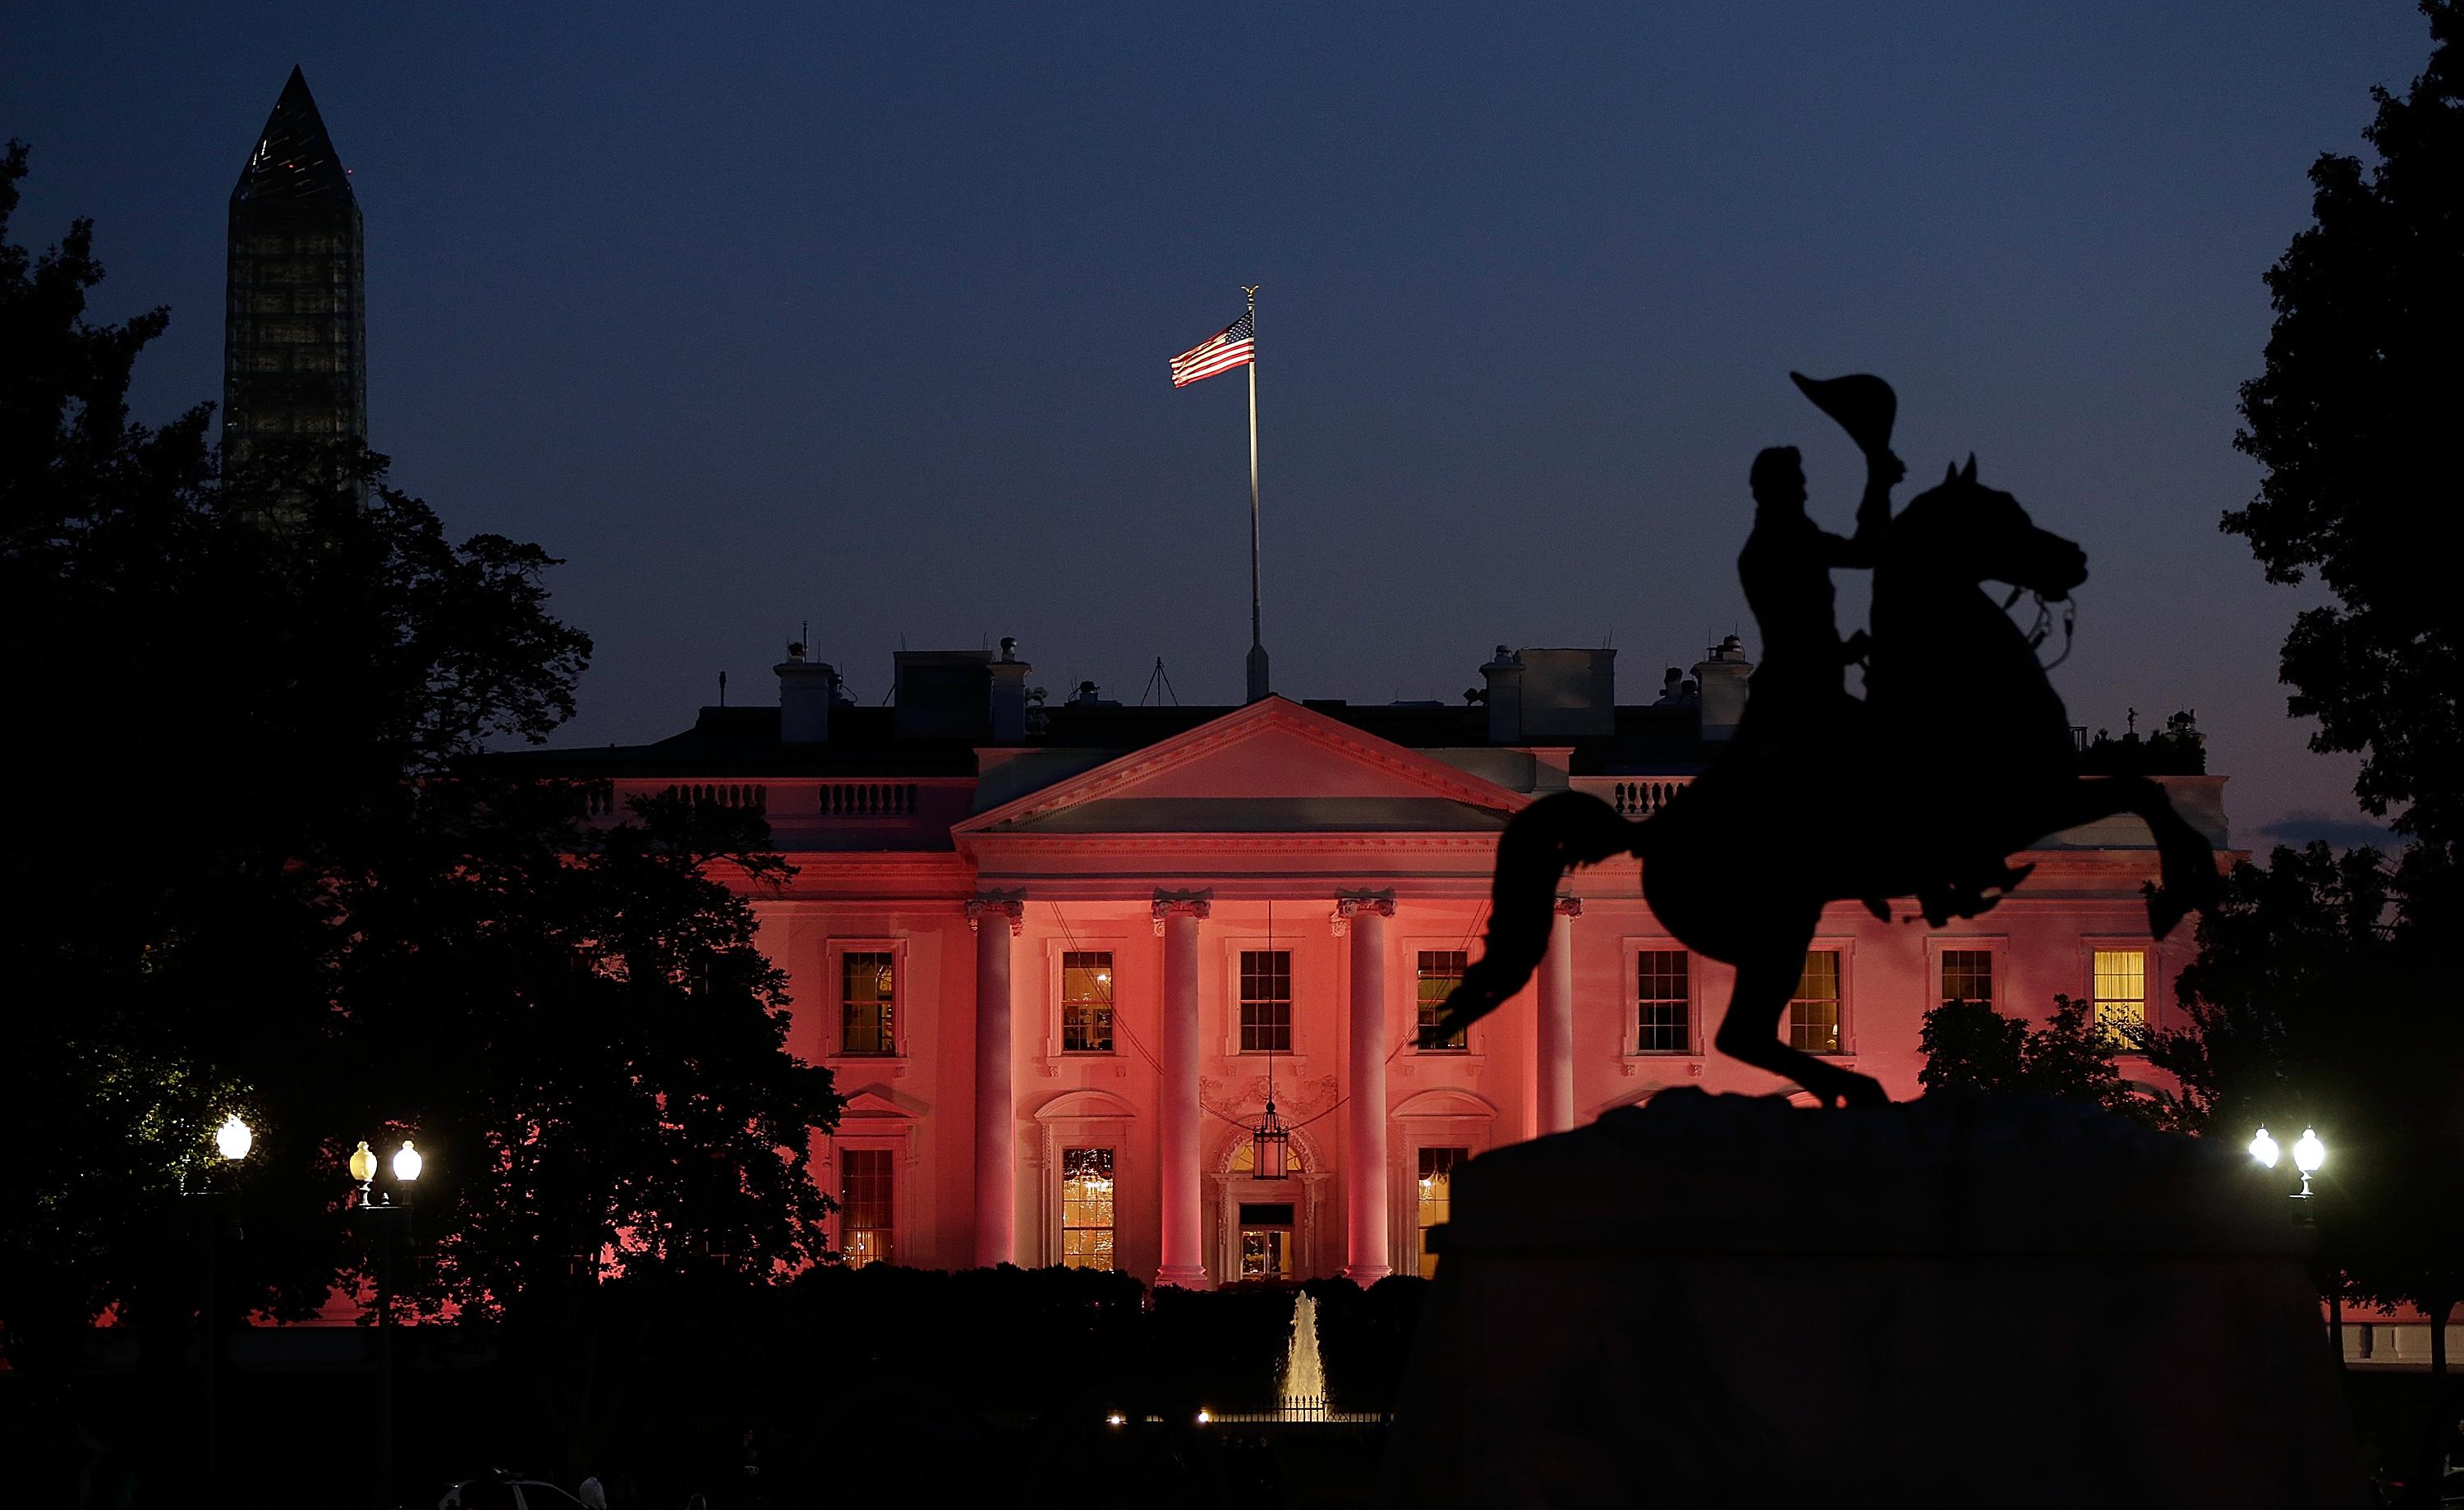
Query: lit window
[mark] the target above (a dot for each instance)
(1436, 1197)
(869, 1004)
(1442, 971)
(1968, 976)
(1086, 1208)
(2121, 996)
(1814, 1011)
(865, 1206)
(1087, 1002)
(1267, 1239)
(1265, 1000)
(1662, 1002)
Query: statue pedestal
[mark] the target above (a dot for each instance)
(1726, 1301)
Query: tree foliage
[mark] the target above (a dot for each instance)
(2323, 996)
(1969, 1046)
(2322, 990)
(261, 861)
(2352, 421)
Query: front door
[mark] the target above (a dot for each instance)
(1266, 1240)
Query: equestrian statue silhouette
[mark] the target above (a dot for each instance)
(1959, 755)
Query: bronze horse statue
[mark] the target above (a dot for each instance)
(1904, 794)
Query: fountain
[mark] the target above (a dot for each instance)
(1304, 1380)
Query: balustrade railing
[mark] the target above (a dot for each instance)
(735, 794)
(1641, 799)
(867, 800)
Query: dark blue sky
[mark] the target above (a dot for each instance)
(859, 314)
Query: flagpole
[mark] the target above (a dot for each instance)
(1257, 643)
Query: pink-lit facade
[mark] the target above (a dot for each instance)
(1053, 956)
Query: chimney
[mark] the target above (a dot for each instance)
(1567, 693)
(1721, 674)
(1504, 678)
(806, 690)
(1672, 689)
(1009, 694)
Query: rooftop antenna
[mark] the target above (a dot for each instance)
(722, 689)
(1158, 685)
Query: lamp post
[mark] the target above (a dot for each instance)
(382, 1207)
(231, 1141)
(2309, 1155)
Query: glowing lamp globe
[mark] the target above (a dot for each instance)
(232, 1139)
(2263, 1148)
(364, 1164)
(2309, 1152)
(406, 1162)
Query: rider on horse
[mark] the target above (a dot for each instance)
(1786, 571)
(1798, 705)
(1727, 868)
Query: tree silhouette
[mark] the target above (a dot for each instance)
(2353, 423)
(1969, 1046)
(2321, 987)
(2322, 995)
(260, 861)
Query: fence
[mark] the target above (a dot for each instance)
(1314, 1411)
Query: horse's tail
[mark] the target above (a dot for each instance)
(1542, 842)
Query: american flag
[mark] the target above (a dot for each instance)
(1235, 346)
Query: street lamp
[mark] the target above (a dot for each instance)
(2307, 1155)
(231, 1140)
(380, 1207)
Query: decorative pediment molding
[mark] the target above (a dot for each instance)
(1400, 774)
(1085, 1106)
(878, 1101)
(1445, 1102)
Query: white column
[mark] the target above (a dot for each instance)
(1175, 917)
(1556, 1029)
(996, 919)
(1364, 1169)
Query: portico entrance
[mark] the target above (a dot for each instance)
(1265, 1246)
(1267, 1228)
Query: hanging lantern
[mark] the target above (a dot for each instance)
(1273, 1145)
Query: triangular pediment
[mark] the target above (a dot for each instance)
(878, 1102)
(1271, 767)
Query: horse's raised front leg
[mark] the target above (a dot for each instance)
(2188, 860)
(1756, 1017)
